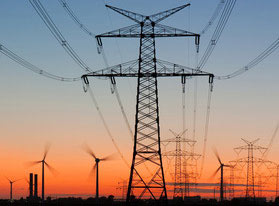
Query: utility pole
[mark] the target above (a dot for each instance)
(147, 68)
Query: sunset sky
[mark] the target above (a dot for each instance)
(36, 110)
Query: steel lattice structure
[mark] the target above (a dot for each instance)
(147, 149)
(250, 161)
(180, 178)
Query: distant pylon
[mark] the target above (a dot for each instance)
(250, 160)
(179, 175)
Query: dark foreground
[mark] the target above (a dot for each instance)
(110, 201)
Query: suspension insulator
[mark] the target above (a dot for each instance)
(99, 41)
(183, 79)
(197, 40)
(112, 79)
(85, 83)
(211, 78)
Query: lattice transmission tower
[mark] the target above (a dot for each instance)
(147, 68)
(250, 161)
(180, 177)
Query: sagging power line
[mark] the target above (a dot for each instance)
(41, 11)
(34, 68)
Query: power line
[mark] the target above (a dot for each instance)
(85, 29)
(76, 19)
(106, 125)
(263, 55)
(41, 11)
(114, 89)
(217, 33)
(207, 118)
(213, 17)
(32, 67)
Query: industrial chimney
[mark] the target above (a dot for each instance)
(31, 185)
(36, 185)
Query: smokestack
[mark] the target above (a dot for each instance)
(31, 185)
(36, 186)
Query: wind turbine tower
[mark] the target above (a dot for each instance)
(11, 187)
(43, 163)
(96, 167)
(221, 167)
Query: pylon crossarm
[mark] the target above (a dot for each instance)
(181, 140)
(164, 14)
(129, 14)
(134, 31)
(164, 69)
(161, 30)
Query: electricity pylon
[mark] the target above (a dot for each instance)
(178, 154)
(250, 160)
(147, 147)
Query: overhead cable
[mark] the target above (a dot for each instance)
(106, 125)
(41, 11)
(217, 33)
(32, 67)
(213, 17)
(270, 142)
(74, 17)
(207, 118)
(84, 28)
(268, 51)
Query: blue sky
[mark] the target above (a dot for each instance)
(246, 106)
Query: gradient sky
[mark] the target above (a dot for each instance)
(35, 110)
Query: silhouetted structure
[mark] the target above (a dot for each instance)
(44, 163)
(11, 187)
(221, 167)
(31, 185)
(250, 160)
(96, 167)
(147, 148)
(179, 186)
(36, 186)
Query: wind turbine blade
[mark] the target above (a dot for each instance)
(18, 180)
(216, 154)
(32, 163)
(47, 146)
(51, 169)
(93, 170)
(213, 175)
(87, 149)
(8, 179)
(109, 157)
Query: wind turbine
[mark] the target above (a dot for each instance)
(221, 167)
(11, 187)
(96, 167)
(44, 163)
